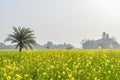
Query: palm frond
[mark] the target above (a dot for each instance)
(24, 37)
(30, 46)
(17, 46)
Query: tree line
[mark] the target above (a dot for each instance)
(106, 42)
(24, 38)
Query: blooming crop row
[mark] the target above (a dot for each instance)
(60, 65)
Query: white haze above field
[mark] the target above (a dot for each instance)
(61, 21)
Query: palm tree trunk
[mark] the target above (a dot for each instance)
(20, 49)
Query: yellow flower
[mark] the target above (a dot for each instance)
(95, 78)
(52, 67)
(18, 76)
(8, 77)
(72, 78)
(111, 66)
(63, 73)
(5, 61)
(51, 79)
(70, 75)
(59, 76)
(44, 73)
(25, 75)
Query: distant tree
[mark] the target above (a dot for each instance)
(105, 35)
(69, 47)
(47, 47)
(114, 39)
(24, 37)
(49, 44)
(105, 43)
(83, 41)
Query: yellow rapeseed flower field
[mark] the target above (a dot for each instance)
(60, 65)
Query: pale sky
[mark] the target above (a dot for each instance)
(61, 21)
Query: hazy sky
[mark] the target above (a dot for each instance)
(61, 20)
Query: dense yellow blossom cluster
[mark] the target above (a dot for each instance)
(60, 65)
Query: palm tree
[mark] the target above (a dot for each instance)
(23, 37)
